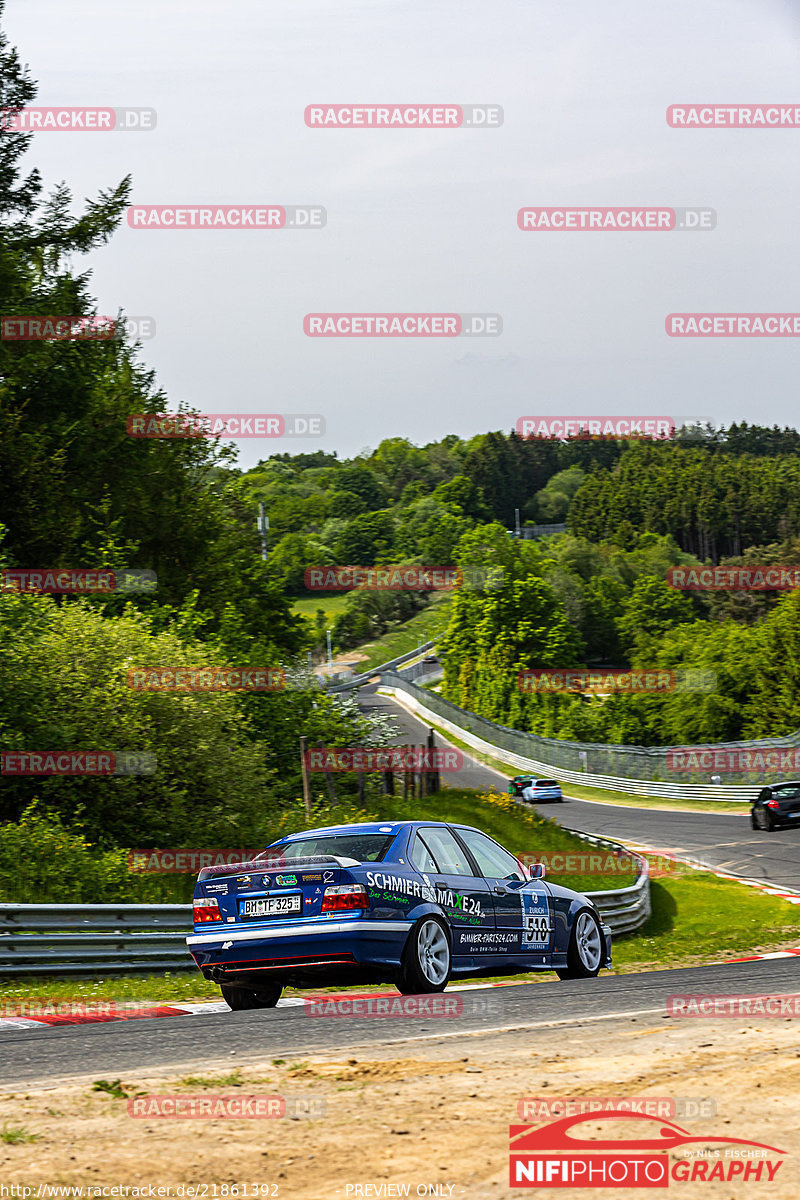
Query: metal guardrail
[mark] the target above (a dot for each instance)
(509, 746)
(82, 939)
(623, 909)
(422, 670)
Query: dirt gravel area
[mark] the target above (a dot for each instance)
(428, 1118)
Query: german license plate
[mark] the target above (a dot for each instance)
(269, 906)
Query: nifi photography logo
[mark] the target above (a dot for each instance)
(561, 1154)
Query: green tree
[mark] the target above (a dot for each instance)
(652, 610)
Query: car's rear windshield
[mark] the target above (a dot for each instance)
(545, 783)
(364, 847)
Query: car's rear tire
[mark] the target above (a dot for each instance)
(766, 822)
(753, 821)
(238, 999)
(585, 953)
(427, 959)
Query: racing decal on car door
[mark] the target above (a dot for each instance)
(535, 920)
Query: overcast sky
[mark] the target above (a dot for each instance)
(425, 220)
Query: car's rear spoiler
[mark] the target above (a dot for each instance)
(272, 862)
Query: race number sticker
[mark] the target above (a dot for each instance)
(535, 921)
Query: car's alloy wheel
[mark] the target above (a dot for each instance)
(239, 999)
(426, 961)
(585, 948)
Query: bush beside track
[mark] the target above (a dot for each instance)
(86, 875)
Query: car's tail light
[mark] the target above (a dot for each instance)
(206, 910)
(344, 896)
(773, 804)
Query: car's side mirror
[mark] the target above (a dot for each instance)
(536, 870)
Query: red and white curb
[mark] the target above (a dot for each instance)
(57, 1013)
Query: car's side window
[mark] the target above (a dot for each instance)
(493, 860)
(449, 857)
(421, 856)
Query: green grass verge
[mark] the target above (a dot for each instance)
(592, 793)
(698, 918)
(155, 988)
(608, 797)
(426, 625)
(332, 604)
(423, 627)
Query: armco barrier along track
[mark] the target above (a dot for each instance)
(523, 750)
(84, 939)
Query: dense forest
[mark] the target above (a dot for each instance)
(77, 491)
(596, 594)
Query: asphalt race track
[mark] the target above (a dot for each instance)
(37, 1056)
(718, 840)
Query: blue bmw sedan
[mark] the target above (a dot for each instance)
(414, 903)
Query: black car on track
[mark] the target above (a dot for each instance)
(777, 805)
